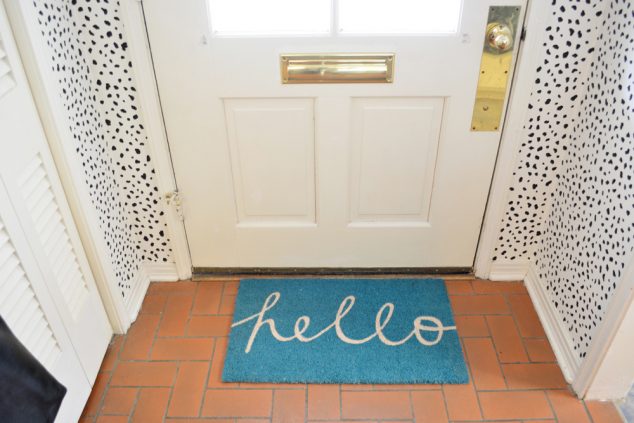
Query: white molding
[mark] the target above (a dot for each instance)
(150, 109)
(44, 87)
(608, 370)
(161, 272)
(556, 331)
(140, 284)
(513, 133)
(514, 270)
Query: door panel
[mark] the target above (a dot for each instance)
(273, 161)
(394, 143)
(400, 180)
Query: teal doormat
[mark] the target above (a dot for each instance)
(387, 331)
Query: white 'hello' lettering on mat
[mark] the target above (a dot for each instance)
(380, 322)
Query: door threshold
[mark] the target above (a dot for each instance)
(205, 272)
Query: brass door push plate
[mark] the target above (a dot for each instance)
(495, 67)
(337, 68)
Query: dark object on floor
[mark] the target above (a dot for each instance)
(28, 392)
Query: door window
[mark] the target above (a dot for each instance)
(338, 17)
(269, 17)
(398, 16)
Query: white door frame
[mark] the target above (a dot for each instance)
(150, 105)
(513, 132)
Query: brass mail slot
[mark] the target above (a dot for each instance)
(337, 68)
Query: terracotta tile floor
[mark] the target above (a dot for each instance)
(168, 366)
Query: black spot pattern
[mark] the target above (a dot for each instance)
(95, 85)
(589, 234)
(100, 35)
(571, 205)
(568, 47)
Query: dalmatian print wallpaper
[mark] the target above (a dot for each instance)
(569, 42)
(589, 232)
(571, 204)
(89, 60)
(101, 39)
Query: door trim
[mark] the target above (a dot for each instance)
(513, 132)
(150, 104)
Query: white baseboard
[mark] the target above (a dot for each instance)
(559, 337)
(161, 272)
(154, 272)
(515, 270)
(140, 284)
(607, 371)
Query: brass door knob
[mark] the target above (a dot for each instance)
(499, 37)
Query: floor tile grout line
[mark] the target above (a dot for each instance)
(473, 385)
(306, 404)
(134, 404)
(340, 402)
(158, 328)
(517, 327)
(206, 384)
(222, 298)
(103, 394)
(550, 405)
(411, 405)
(171, 389)
(444, 400)
(191, 310)
(497, 357)
(111, 374)
(585, 407)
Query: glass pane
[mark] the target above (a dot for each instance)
(399, 16)
(269, 17)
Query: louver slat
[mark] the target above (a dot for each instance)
(20, 308)
(48, 222)
(6, 77)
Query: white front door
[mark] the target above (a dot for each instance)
(47, 294)
(325, 175)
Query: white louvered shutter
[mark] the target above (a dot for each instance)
(6, 78)
(47, 294)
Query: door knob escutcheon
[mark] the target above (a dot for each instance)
(498, 45)
(499, 37)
